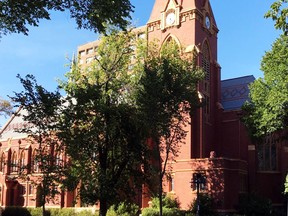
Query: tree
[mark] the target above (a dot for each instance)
(5, 107)
(40, 114)
(100, 125)
(286, 189)
(279, 13)
(89, 14)
(267, 112)
(167, 99)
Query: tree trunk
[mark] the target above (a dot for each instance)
(43, 207)
(160, 180)
(103, 207)
(160, 197)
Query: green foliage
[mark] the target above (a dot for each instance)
(36, 211)
(286, 185)
(267, 112)
(170, 207)
(100, 126)
(166, 99)
(279, 13)
(39, 111)
(123, 209)
(86, 213)
(205, 203)
(166, 212)
(150, 212)
(61, 212)
(168, 202)
(89, 14)
(254, 205)
(15, 211)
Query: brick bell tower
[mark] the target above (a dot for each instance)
(192, 25)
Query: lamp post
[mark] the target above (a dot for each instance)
(198, 179)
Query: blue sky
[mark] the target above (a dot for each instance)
(243, 38)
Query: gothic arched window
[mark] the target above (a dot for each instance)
(206, 61)
(2, 163)
(267, 153)
(14, 164)
(206, 68)
(35, 163)
(22, 160)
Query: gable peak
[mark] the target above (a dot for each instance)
(171, 4)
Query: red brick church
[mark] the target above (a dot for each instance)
(217, 144)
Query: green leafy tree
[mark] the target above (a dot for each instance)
(167, 98)
(286, 185)
(279, 13)
(101, 127)
(206, 205)
(5, 107)
(40, 111)
(267, 112)
(89, 14)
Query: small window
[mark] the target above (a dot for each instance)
(90, 59)
(133, 47)
(90, 51)
(131, 66)
(142, 35)
(82, 53)
(171, 184)
(199, 180)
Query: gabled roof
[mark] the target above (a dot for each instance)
(234, 92)
(15, 122)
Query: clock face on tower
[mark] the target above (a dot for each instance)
(170, 18)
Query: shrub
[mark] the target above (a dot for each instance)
(63, 212)
(170, 207)
(60, 212)
(150, 212)
(166, 212)
(123, 209)
(38, 212)
(167, 202)
(86, 213)
(15, 211)
(253, 204)
(205, 204)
